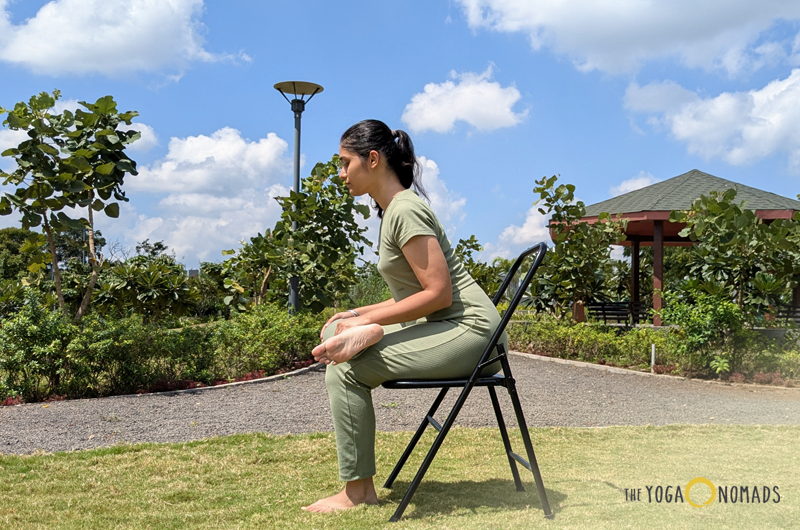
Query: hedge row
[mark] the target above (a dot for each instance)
(43, 355)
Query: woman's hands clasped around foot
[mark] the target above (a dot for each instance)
(348, 342)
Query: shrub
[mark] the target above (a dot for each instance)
(767, 378)
(265, 338)
(370, 288)
(43, 354)
(710, 333)
(33, 346)
(544, 334)
(127, 355)
(736, 377)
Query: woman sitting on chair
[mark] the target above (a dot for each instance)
(435, 326)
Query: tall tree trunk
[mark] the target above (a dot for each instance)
(93, 261)
(56, 272)
(740, 294)
(264, 286)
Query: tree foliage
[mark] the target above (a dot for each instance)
(488, 275)
(321, 251)
(74, 161)
(574, 270)
(737, 253)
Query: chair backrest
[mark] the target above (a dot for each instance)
(540, 249)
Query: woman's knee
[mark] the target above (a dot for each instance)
(334, 376)
(330, 331)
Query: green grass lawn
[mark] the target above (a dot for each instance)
(260, 481)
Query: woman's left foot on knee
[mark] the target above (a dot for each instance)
(340, 501)
(341, 348)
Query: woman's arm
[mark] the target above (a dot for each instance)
(367, 308)
(360, 310)
(427, 260)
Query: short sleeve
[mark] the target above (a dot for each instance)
(410, 219)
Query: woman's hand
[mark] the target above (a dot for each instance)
(337, 316)
(350, 323)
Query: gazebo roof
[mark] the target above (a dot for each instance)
(679, 192)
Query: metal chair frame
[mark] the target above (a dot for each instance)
(504, 379)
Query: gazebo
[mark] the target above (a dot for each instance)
(647, 210)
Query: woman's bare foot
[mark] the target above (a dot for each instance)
(341, 348)
(354, 493)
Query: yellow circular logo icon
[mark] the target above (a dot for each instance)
(701, 480)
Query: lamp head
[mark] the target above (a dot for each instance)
(298, 89)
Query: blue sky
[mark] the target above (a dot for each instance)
(495, 94)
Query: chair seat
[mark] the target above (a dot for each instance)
(495, 380)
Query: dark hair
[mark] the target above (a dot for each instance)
(396, 146)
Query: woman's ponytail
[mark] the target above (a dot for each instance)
(395, 145)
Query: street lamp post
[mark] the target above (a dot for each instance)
(299, 90)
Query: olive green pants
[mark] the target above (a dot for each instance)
(425, 350)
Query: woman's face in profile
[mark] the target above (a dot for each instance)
(353, 172)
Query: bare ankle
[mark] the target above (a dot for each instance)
(361, 491)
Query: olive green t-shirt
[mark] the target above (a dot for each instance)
(408, 216)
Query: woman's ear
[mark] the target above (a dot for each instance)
(374, 159)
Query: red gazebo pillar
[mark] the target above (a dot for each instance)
(635, 271)
(658, 269)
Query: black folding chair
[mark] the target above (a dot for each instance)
(503, 378)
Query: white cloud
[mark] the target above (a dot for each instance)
(514, 238)
(447, 205)
(9, 139)
(617, 36)
(222, 164)
(148, 139)
(199, 227)
(738, 127)
(109, 37)
(470, 97)
(213, 191)
(638, 182)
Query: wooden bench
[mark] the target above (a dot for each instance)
(618, 312)
(789, 313)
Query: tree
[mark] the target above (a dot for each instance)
(488, 276)
(574, 270)
(152, 250)
(735, 245)
(321, 252)
(249, 272)
(13, 260)
(73, 243)
(71, 160)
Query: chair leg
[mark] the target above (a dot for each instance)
(504, 435)
(437, 443)
(413, 443)
(526, 438)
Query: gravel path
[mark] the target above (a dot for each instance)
(553, 394)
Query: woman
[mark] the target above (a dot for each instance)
(436, 325)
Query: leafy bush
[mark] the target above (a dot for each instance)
(125, 356)
(43, 354)
(33, 350)
(545, 334)
(265, 338)
(711, 338)
(711, 334)
(152, 287)
(370, 288)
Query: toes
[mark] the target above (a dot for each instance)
(319, 350)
